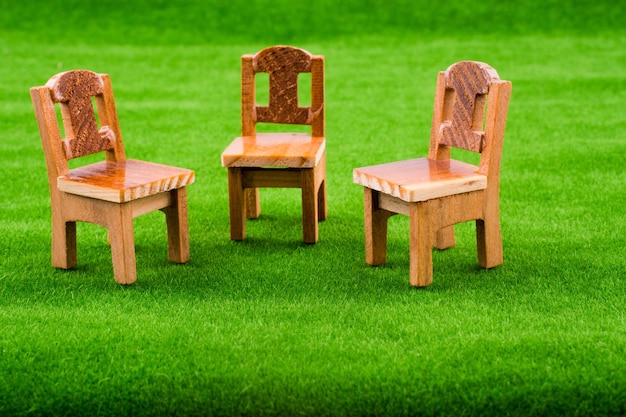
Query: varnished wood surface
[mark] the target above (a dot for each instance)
(421, 179)
(124, 181)
(283, 106)
(253, 158)
(437, 192)
(74, 90)
(290, 150)
(109, 193)
(469, 80)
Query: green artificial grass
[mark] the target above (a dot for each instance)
(271, 326)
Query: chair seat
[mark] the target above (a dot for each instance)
(421, 179)
(120, 182)
(289, 150)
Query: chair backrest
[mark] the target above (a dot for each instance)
(471, 104)
(75, 92)
(283, 64)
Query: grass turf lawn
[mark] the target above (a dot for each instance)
(270, 326)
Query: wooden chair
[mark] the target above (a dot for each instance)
(109, 193)
(437, 192)
(283, 160)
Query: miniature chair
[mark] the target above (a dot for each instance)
(437, 192)
(108, 193)
(282, 160)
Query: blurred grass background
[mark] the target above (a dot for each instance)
(270, 326)
(201, 22)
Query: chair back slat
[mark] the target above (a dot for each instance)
(283, 64)
(469, 82)
(73, 90)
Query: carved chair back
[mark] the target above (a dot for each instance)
(464, 117)
(88, 117)
(283, 64)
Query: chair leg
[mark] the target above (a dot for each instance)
(489, 242)
(64, 253)
(177, 227)
(310, 206)
(421, 245)
(320, 177)
(375, 221)
(252, 202)
(123, 245)
(236, 204)
(322, 203)
(444, 238)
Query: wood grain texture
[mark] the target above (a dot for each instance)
(437, 192)
(375, 222)
(470, 83)
(74, 90)
(283, 64)
(421, 179)
(124, 181)
(278, 159)
(292, 150)
(110, 193)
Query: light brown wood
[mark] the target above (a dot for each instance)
(123, 181)
(421, 179)
(108, 193)
(279, 160)
(290, 150)
(437, 192)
